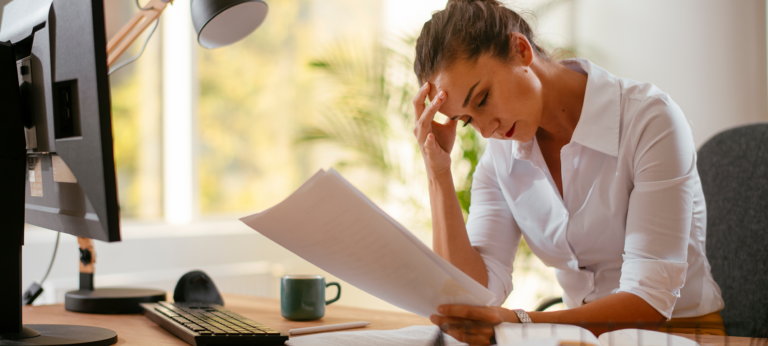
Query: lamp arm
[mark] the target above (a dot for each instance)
(125, 37)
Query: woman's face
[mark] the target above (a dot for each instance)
(501, 100)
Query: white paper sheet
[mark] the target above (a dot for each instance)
(332, 225)
(637, 337)
(413, 335)
(515, 334)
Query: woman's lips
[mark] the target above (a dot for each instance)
(511, 131)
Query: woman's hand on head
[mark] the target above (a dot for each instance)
(435, 139)
(471, 324)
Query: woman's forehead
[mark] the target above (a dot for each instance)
(458, 85)
(459, 77)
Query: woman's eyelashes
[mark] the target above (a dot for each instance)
(482, 103)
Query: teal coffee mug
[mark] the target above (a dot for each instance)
(302, 297)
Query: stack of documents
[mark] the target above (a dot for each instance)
(331, 224)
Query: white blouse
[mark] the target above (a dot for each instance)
(632, 217)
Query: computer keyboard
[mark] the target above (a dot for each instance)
(201, 324)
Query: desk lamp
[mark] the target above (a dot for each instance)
(218, 23)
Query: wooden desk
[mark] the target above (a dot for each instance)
(138, 330)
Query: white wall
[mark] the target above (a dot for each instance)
(708, 55)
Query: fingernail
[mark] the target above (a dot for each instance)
(440, 309)
(441, 95)
(425, 85)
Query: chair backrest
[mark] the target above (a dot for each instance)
(733, 167)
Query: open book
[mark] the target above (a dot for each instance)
(515, 334)
(335, 227)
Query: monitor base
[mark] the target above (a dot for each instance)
(59, 334)
(111, 300)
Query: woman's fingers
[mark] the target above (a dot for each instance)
(471, 332)
(418, 101)
(468, 326)
(476, 313)
(424, 124)
(430, 144)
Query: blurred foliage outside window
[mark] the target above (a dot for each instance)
(136, 119)
(253, 97)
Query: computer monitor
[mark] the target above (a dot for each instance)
(56, 136)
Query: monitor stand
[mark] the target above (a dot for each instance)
(109, 300)
(12, 195)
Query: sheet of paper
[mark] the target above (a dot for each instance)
(462, 279)
(332, 225)
(637, 337)
(516, 334)
(413, 335)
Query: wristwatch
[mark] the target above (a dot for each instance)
(522, 315)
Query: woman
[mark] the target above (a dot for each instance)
(598, 173)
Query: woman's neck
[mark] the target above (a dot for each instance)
(563, 90)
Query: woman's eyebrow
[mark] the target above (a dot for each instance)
(469, 95)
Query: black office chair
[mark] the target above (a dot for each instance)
(548, 303)
(733, 167)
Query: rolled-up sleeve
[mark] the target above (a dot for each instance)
(492, 229)
(660, 205)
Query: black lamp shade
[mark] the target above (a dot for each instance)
(220, 23)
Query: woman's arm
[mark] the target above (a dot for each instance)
(474, 324)
(621, 308)
(449, 232)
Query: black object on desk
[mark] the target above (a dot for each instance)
(196, 286)
(200, 324)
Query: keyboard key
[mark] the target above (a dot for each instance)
(179, 319)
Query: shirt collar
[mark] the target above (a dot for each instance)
(598, 126)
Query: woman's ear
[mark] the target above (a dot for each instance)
(520, 48)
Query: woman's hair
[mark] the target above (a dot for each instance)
(467, 29)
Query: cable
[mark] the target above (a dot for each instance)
(124, 63)
(55, 250)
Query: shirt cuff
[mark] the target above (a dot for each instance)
(499, 280)
(658, 282)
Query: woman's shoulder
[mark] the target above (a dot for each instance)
(646, 110)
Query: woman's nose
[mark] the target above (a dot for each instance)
(487, 128)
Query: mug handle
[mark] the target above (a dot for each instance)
(338, 295)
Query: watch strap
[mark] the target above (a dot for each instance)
(522, 315)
